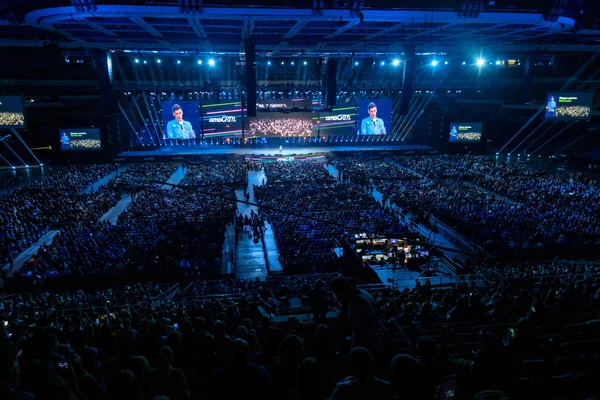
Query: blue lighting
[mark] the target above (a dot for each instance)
(137, 60)
(383, 63)
(178, 61)
(211, 62)
(158, 61)
(434, 63)
(199, 62)
(268, 62)
(355, 62)
(305, 63)
(396, 62)
(464, 63)
(480, 62)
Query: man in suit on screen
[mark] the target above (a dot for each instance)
(178, 128)
(372, 125)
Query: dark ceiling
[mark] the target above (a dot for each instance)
(309, 28)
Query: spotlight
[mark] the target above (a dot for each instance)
(396, 62)
(464, 63)
(199, 62)
(383, 63)
(305, 62)
(292, 63)
(445, 62)
(434, 63)
(282, 63)
(137, 60)
(145, 62)
(268, 62)
(497, 62)
(41, 165)
(158, 61)
(211, 62)
(178, 61)
(480, 62)
(355, 63)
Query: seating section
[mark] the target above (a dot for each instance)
(309, 210)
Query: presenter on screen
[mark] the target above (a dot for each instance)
(372, 125)
(65, 142)
(453, 133)
(551, 106)
(178, 128)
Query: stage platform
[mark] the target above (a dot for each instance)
(200, 150)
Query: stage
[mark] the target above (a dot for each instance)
(224, 150)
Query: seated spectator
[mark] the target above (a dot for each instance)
(362, 383)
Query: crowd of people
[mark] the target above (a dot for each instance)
(163, 229)
(496, 204)
(281, 127)
(526, 331)
(86, 144)
(12, 118)
(520, 330)
(309, 210)
(27, 213)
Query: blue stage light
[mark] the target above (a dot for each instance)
(211, 62)
(434, 63)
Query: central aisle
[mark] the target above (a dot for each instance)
(251, 257)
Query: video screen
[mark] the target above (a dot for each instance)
(338, 121)
(11, 112)
(222, 120)
(284, 104)
(569, 105)
(181, 119)
(374, 116)
(465, 132)
(274, 124)
(80, 139)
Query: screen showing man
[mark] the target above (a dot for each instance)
(11, 112)
(374, 116)
(569, 105)
(181, 121)
(80, 139)
(551, 107)
(178, 128)
(453, 133)
(65, 141)
(465, 132)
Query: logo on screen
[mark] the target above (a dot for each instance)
(224, 119)
(340, 117)
(274, 105)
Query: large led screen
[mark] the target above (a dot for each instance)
(80, 139)
(277, 124)
(374, 116)
(569, 105)
(465, 132)
(11, 112)
(222, 120)
(181, 119)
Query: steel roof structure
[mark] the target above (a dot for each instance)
(310, 28)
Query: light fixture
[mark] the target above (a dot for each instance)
(199, 62)
(396, 62)
(480, 62)
(137, 60)
(211, 62)
(178, 61)
(305, 62)
(434, 63)
(158, 61)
